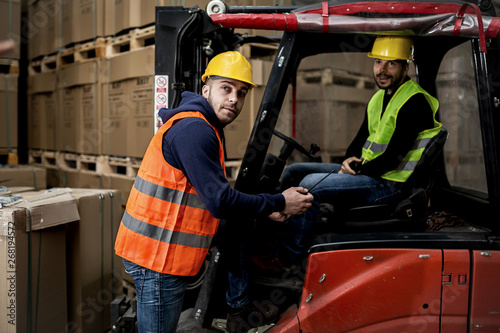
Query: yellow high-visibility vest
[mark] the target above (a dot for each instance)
(382, 127)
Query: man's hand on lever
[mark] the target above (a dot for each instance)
(298, 200)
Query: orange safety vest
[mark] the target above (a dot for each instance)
(166, 227)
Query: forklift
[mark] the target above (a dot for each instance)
(429, 263)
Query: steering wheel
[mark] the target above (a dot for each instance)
(274, 165)
(287, 150)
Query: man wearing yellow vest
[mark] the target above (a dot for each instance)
(181, 192)
(380, 158)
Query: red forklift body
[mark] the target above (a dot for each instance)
(398, 290)
(485, 293)
(372, 290)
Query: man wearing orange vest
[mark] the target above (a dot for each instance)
(181, 193)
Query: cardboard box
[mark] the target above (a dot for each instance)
(83, 179)
(45, 288)
(54, 177)
(35, 106)
(82, 20)
(92, 180)
(43, 28)
(125, 14)
(94, 271)
(79, 110)
(261, 69)
(328, 117)
(10, 16)
(54, 25)
(123, 184)
(8, 112)
(48, 209)
(128, 14)
(33, 287)
(42, 104)
(128, 104)
(23, 175)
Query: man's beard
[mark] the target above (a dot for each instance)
(396, 82)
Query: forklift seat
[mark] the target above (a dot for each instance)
(414, 200)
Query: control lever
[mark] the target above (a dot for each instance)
(309, 189)
(354, 166)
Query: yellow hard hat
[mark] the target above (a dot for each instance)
(396, 47)
(230, 64)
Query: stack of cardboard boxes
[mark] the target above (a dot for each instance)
(10, 28)
(33, 285)
(90, 90)
(90, 118)
(85, 96)
(59, 272)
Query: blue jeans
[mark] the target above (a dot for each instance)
(339, 189)
(159, 298)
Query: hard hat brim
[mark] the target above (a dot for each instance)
(205, 77)
(379, 56)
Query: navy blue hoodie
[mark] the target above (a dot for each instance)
(191, 146)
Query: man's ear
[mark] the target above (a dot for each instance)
(205, 90)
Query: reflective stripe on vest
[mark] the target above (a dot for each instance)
(380, 148)
(168, 194)
(165, 235)
(381, 128)
(166, 227)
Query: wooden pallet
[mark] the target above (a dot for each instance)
(116, 165)
(68, 161)
(35, 157)
(83, 52)
(133, 40)
(87, 162)
(9, 66)
(49, 159)
(46, 64)
(9, 157)
(75, 161)
(43, 158)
